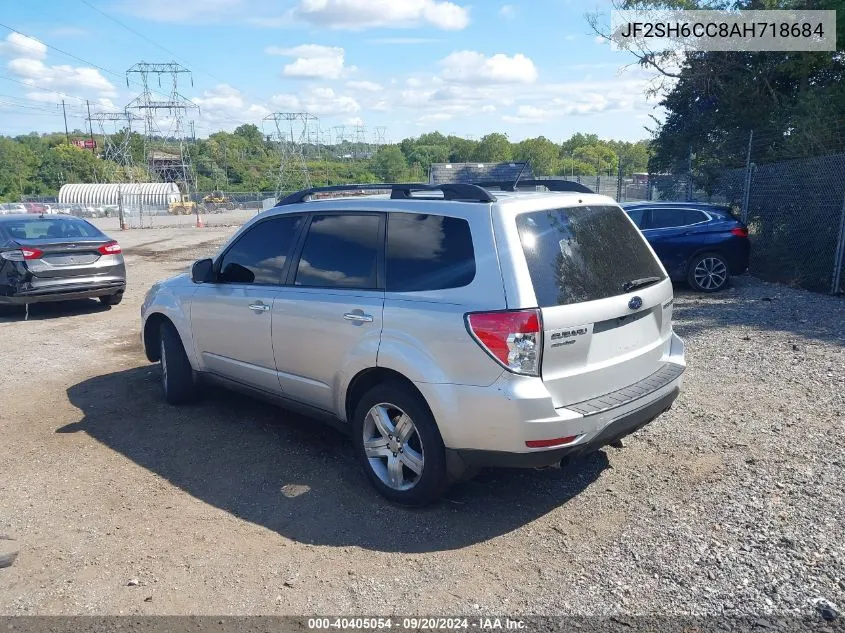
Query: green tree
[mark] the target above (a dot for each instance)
(389, 164)
(69, 164)
(18, 169)
(494, 148)
(543, 154)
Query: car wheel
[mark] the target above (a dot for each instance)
(177, 375)
(708, 273)
(399, 446)
(112, 300)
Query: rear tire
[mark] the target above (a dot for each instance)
(708, 272)
(112, 300)
(177, 375)
(398, 445)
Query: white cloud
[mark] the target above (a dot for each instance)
(19, 45)
(365, 86)
(355, 120)
(313, 61)
(363, 14)
(223, 102)
(471, 67)
(508, 11)
(488, 109)
(62, 78)
(317, 101)
(528, 114)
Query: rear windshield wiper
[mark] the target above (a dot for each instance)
(628, 286)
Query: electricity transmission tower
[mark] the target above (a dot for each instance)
(361, 145)
(116, 130)
(380, 135)
(293, 131)
(164, 114)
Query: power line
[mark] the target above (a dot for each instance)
(166, 50)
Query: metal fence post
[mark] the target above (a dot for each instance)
(839, 257)
(619, 182)
(746, 193)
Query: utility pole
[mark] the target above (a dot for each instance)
(91, 129)
(64, 114)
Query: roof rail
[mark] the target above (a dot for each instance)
(551, 185)
(398, 191)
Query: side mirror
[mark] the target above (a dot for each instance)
(202, 271)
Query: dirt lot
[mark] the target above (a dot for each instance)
(733, 502)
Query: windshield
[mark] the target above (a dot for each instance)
(583, 254)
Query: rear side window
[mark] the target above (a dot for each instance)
(428, 252)
(638, 216)
(583, 254)
(341, 251)
(259, 255)
(691, 216)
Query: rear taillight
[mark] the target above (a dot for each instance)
(513, 338)
(112, 248)
(23, 254)
(740, 231)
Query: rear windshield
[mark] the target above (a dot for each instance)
(583, 253)
(46, 228)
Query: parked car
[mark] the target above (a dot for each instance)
(36, 207)
(56, 258)
(701, 244)
(447, 328)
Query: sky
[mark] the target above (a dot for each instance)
(398, 68)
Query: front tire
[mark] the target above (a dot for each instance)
(399, 446)
(708, 272)
(177, 375)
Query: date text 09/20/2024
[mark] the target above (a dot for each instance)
(416, 624)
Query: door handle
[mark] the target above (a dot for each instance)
(259, 307)
(358, 317)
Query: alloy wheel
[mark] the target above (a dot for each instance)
(393, 446)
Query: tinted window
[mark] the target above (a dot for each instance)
(259, 255)
(583, 254)
(666, 218)
(341, 251)
(637, 215)
(428, 252)
(45, 228)
(691, 216)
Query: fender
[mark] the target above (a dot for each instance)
(160, 300)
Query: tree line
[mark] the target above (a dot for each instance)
(247, 160)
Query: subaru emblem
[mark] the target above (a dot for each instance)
(635, 303)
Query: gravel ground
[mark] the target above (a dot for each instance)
(731, 503)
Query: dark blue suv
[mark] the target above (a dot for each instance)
(699, 243)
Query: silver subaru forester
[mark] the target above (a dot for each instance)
(447, 327)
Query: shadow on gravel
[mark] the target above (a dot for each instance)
(296, 476)
(52, 310)
(756, 305)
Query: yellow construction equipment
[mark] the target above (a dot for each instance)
(217, 202)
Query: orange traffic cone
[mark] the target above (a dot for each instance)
(199, 221)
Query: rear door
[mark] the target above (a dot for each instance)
(604, 298)
(231, 319)
(674, 234)
(328, 319)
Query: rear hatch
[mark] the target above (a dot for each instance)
(605, 300)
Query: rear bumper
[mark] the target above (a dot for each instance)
(613, 431)
(486, 426)
(65, 292)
